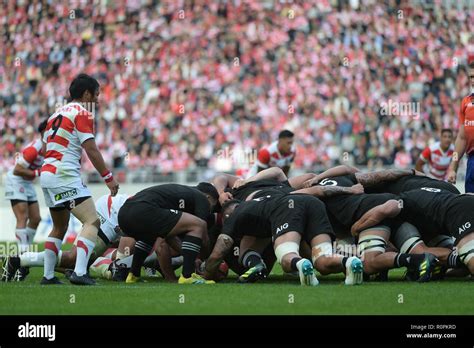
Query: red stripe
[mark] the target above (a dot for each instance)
(53, 154)
(66, 124)
(103, 262)
(80, 244)
(58, 140)
(109, 204)
(48, 168)
(51, 246)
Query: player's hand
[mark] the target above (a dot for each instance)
(113, 187)
(310, 182)
(238, 183)
(355, 230)
(357, 189)
(200, 267)
(451, 177)
(224, 197)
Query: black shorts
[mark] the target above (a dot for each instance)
(459, 220)
(300, 213)
(147, 221)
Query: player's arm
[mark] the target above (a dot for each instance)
(424, 157)
(223, 246)
(221, 182)
(331, 172)
(163, 252)
(374, 178)
(330, 191)
(27, 157)
(98, 162)
(459, 150)
(273, 173)
(374, 216)
(263, 160)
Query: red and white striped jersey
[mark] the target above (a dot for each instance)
(31, 157)
(67, 129)
(108, 208)
(269, 156)
(437, 161)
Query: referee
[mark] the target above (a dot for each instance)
(465, 138)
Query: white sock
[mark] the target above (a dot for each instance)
(299, 264)
(51, 251)
(31, 234)
(84, 251)
(23, 240)
(31, 259)
(100, 268)
(126, 261)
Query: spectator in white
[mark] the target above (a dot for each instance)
(280, 154)
(435, 159)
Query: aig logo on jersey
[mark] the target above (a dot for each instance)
(464, 227)
(174, 211)
(282, 227)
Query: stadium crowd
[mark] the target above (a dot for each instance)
(181, 80)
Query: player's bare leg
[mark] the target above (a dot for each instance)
(34, 219)
(287, 253)
(85, 212)
(326, 261)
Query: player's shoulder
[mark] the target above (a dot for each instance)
(272, 148)
(468, 100)
(435, 146)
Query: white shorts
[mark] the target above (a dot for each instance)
(63, 195)
(17, 188)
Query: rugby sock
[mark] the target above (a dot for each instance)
(51, 251)
(23, 240)
(127, 261)
(190, 249)
(405, 260)
(251, 258)
(84, 251)
(344, 260)
(31, 234)
(142, 250)
(29, 259)
(454, 261)
(294, 261)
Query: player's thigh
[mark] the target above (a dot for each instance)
(84, 210)
(20, 209)
(465, 248)
(186, 223)
(253, 243)
(34, 211)
(373, 241)
(406, 238)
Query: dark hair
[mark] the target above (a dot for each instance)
(229, 204)
(448, 130)
(42, 125)
(286, 134)
(81, 84)
(209, 189)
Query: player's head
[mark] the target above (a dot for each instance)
(211, 193)
(446, 137)
(42, 126)
(285, 141)
(85, 89)
(228, 208)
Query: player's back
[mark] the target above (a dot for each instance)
(411, 182)
(175, 196)
(66, 130)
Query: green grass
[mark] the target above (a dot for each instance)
(272, 296)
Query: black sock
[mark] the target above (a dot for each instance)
(294, 261)
(454, 261)
(344, 260)
(251, 258)
(141, 252)
(190, 249)
(405, 260)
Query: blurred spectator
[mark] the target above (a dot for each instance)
(182, 80)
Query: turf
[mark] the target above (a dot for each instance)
(280, 294)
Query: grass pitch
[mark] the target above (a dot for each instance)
(279, 294)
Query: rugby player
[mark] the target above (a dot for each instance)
(435, 159)
(19, 190)
(168, 211)
(69, 130)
